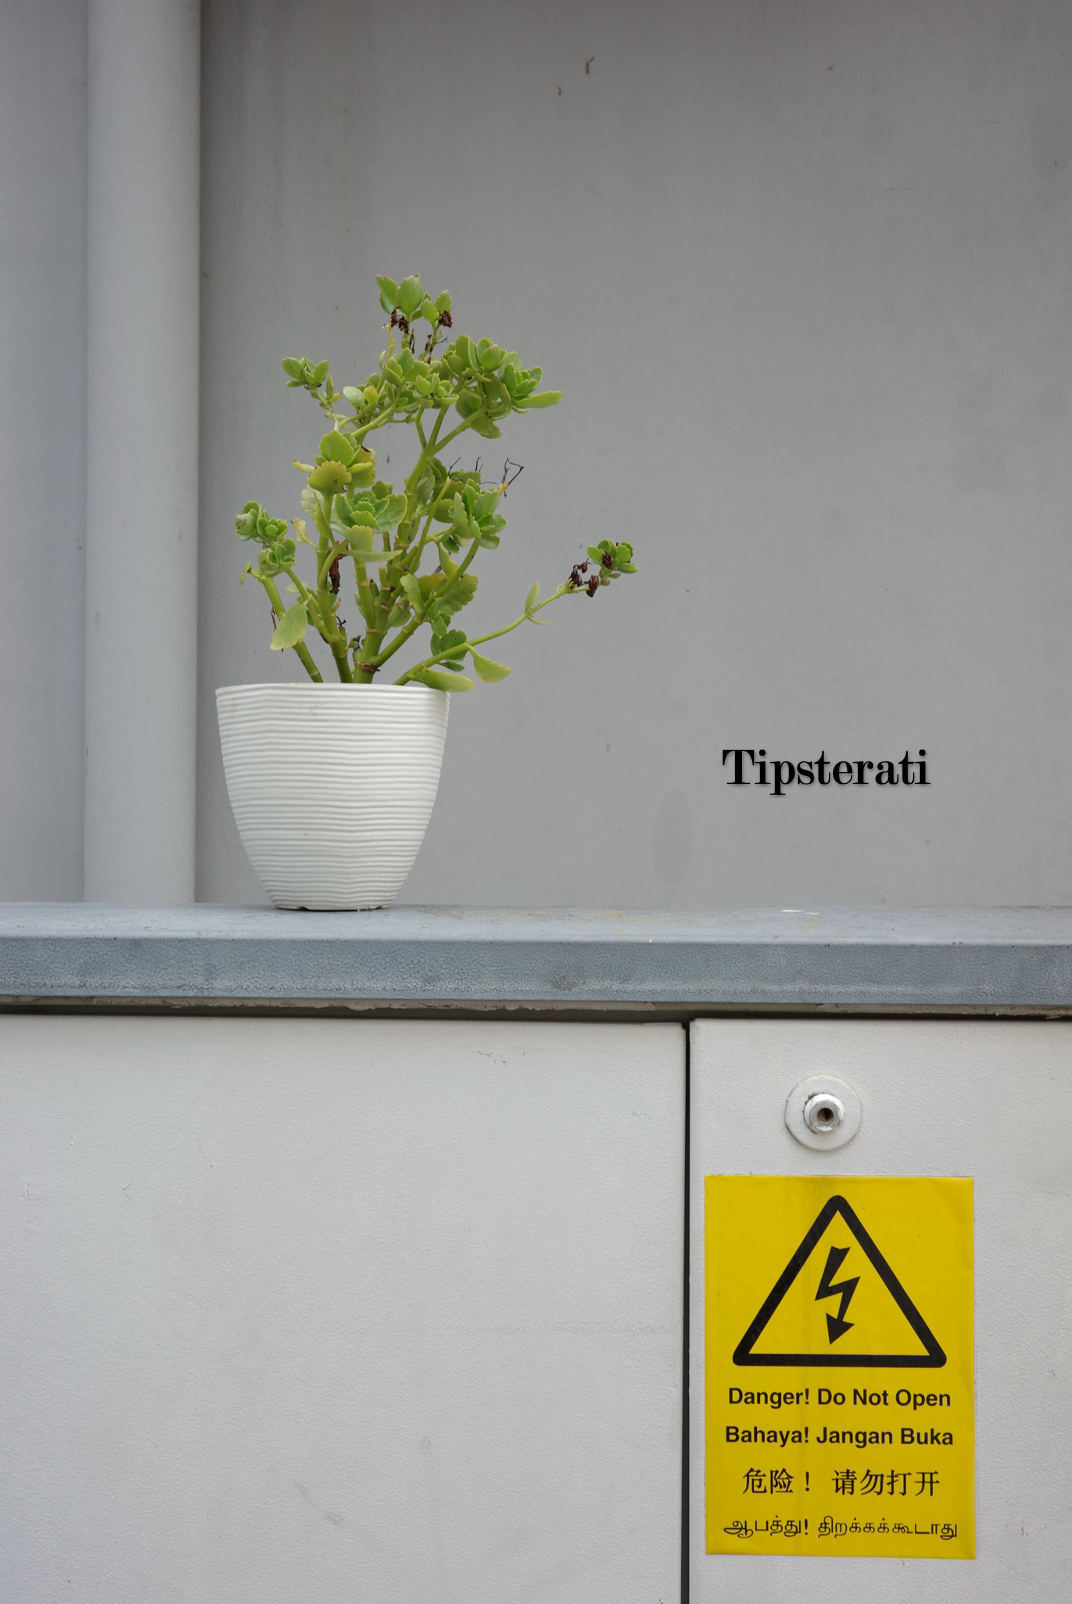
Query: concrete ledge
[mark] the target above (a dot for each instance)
(974, 959)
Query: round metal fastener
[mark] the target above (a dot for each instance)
(823, 1113)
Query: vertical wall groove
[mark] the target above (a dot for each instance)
(42, 446)
(142, 440)
(685, 1326)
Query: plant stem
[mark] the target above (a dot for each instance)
(563, 590)
(304, 655)
(453, 651)
(415, 623)
(400, 639)
(326, 623)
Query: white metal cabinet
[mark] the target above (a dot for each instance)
(321, 1311)
(982, 1098)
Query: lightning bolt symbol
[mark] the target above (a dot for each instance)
(836, 1326)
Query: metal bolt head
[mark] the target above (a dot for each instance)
(824, 1113)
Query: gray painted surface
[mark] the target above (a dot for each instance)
(338, 1311)
(851, 509)
(833, 957)
(143, 269)
(934, 1102)
(42, 443)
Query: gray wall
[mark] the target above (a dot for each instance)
(849, 226)
(803, 276)
(42, 444)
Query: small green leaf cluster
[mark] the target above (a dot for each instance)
(277, 550)
(410, 548)
(613, 558)
(468, 510)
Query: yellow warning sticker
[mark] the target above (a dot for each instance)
(839, 1381)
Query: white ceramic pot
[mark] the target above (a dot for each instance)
(332, 786)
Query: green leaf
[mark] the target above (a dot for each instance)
(483, 426)
(291, 627)
(388, 293)
(360, 514)
(459, 518)
(441, 682)
(410, 295)
(488, 671)
(448, 642)
(457, 594)
(488, 355)
(360, 540)
(329, 478)
(413, 594)
(310, 504)
(276, 557)
(293, 368)
(390, 512)
(320, 373)
(533, 597)
(546, 398)
(335, 447)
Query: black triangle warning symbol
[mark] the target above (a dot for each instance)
(931, 1359)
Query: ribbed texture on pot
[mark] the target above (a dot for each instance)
(332, 786)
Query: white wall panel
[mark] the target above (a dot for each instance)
(320, 1310)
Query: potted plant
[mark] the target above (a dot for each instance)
(368, 752)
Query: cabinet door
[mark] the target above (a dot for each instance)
(984, 1099)
(320, 1311)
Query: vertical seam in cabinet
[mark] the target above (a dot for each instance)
(684, 1584)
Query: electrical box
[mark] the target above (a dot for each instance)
(320, 1310)
(960, 1171)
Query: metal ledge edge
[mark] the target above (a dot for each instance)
(660, 963)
